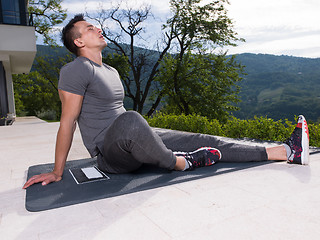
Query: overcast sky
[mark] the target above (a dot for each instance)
(280, 27)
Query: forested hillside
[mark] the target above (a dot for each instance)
(275, 86)
(279, 87)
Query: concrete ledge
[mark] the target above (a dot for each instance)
(28, 120)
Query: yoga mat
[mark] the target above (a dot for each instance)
(67, 192)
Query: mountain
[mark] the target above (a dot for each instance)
(279, 87)
(275, 86)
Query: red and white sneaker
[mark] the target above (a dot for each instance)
(201, 157)
(299, 143)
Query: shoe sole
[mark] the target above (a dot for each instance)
(304, 141)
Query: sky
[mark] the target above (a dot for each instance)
(279, 27)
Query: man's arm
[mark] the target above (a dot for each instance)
(71, 106)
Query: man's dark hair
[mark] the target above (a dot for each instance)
(69, 34)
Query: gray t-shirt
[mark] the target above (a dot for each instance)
(102, 93)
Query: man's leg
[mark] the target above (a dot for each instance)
(231, 152)
(130, 142)
(294, 150)
(277, 153)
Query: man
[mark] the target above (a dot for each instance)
(92, 94)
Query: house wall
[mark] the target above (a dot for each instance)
(17, 48)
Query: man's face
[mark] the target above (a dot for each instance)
(91, 36)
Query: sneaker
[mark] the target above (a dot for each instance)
(201, 157)
(299, 143)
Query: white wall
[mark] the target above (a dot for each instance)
(17, 52)
(19, 44)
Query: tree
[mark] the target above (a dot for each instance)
(36, 93)
(191, 28)
(44, 16)
(201, 83)
(143, 63)
(205, 84)
(33, 94)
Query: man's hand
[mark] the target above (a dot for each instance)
(45, 178)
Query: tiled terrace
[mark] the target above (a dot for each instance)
(273, 201)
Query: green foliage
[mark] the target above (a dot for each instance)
(195, 24)
(36, 93)
(45, 15)
(203, 85)
(188, 123)
(48, 115)
(314, 134)
(262, 128)
(193, 80)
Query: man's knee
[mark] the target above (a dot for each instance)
(131, 119)
(131, 115)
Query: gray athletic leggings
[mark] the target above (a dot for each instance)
(130, 141)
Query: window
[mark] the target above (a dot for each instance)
(13, 12)
(10, 11)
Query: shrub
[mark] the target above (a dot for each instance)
(47, 114)
(188, 123)
(262, 128)
(314, 134)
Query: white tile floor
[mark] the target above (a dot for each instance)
(274, 201)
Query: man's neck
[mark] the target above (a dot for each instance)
(93, 56)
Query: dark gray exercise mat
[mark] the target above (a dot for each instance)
(67, 192)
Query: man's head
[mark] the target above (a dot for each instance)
(70, 33)
(79, 35)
